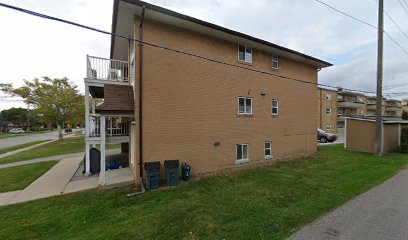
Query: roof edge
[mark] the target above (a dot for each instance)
(206, 24)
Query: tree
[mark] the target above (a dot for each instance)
(56, 100)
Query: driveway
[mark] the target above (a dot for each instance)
(380, 213)
(12, 141)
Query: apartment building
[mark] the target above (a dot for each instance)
(350, 104)
(327, 109)
(194, 91)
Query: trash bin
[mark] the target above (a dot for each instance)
(152, 172)
(94, 161)
(185, 170)
(172, 172)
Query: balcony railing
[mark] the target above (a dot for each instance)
(349, 104)
(115, 126)
(107, 69)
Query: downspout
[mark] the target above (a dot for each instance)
(140, 93)
(140, 105)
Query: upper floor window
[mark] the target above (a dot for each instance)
(328, 126)
(275, 62)
(328, 97)
(244, 105)
(245, 53)
(328, 111)
(275, 107)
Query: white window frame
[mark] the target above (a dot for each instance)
(277, 107)
(275, 59)
(239, 161)
(328, 113)
(267, 157)
(245, 106)
(328, 126)
(246, 59)
(328, 97)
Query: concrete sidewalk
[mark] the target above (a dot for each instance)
(51, 183)
(53, 158)
(380, 213)
(59, 180)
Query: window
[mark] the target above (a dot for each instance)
(245, 54)
(328, 97)
(275, 107)
(275, 62)
(268, 150)
(244, 105)
(339, 111)
(328, 111)
(328, 126)
(340, 125)
(242, 152)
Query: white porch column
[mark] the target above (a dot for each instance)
(87, 162)
(93, 106)
(102, 176)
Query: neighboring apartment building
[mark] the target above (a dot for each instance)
(172, 105)
(350, 104)
(327, 109)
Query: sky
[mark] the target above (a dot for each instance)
(32, 47)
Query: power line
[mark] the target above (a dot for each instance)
(363, 22)
(170, 49)
(346, 14)
(403, 6)
(394, 22)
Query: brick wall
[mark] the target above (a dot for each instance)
(189, 104)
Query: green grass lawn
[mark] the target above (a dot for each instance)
(65, 146)
(16, 147)
(264, 203)
(17, 178)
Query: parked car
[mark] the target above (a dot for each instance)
(16, 130)
(325, 137)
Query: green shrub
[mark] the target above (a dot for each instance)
(404, 140)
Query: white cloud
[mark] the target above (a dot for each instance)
(33, 47)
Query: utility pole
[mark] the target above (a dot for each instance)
(378, 112)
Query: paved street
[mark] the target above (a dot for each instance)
(380, 213)
(12, 141)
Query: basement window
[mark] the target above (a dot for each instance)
(244, 105)
(328, 126)
(268, 150)
(275, 62)
(275, 107)
(245, 54)
(242, 153)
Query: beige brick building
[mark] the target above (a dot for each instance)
(327, 110)
(203, 94)
(350, 104)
